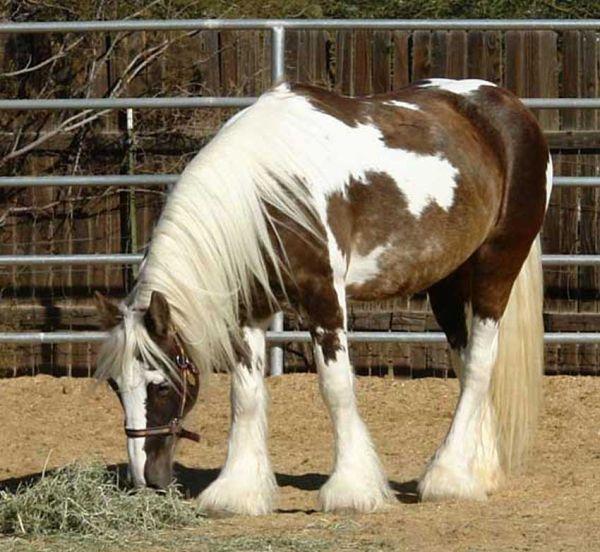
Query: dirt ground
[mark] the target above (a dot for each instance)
(555, 505)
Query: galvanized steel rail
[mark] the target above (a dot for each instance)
(280, 337)
(277, 27)
(137, 258)
(143, 180)
(206, 101)
(257, 24)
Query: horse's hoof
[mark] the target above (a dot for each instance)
(441, 482)
(349, 495)
(228, 496)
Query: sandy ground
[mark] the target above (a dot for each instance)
(555, 505)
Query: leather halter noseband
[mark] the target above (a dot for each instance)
(175, 426)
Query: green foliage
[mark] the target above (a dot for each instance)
(400, 9)
(89, 500)
(454, 9)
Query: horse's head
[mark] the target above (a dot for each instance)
(145, 362)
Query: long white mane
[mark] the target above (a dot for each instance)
(212, 242)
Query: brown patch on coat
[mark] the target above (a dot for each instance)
(163, 404)
(500, 154)
(329, 342)
(307, 275)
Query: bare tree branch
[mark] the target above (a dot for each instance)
(29, 69)
(139, 62)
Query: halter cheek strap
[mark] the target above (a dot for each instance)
(175, 426)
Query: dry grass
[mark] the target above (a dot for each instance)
(89, 500)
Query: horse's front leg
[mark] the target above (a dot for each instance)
(246, 484)
(358, 481)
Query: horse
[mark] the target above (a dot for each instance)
(311, 200)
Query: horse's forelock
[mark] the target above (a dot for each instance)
(128, 342)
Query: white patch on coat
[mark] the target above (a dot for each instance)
(549, 180)
(134, 396)
(405, 105)
(134, 399)
(361, 268)
(463, 86)
(328, 153)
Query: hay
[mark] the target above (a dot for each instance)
(90, 500)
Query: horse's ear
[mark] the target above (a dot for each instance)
(109, 313)
(157, 317)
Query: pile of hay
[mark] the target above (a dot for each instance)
(90, 500)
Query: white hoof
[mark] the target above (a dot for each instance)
(343, 493)
(237, 495)
(443, 482)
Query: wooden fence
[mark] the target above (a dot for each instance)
(355, 62)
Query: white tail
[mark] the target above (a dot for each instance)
(516, 380)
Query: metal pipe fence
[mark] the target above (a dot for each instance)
(141, 180)
(202, 102)
(277, 27)
(268, 24)
(282, 337)
(137, 258)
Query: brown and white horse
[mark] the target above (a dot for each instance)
(316, 199)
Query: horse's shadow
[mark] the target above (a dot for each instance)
(192, 481)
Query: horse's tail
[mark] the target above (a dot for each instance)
(516, 381)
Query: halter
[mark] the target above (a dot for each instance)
(175, 426)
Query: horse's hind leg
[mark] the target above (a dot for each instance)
(358, 481)
(499, 395)
(246, 484)
(466, 465)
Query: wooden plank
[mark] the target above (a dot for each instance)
(344, 67)
(247, 62)
(363, 61)
(476, 64)
(265, 44)
(228, 41)
(207, 64)
(572, 321)
(401, 59)
(456, 55)
(589, 224)
(544, 83)
(562, 217)
(484, 55)
(291, 54)
(530, 64)
(382, 48)
(318, 42)
(303, 74)
(421, 58)
(574, 139)
(439, 53)
(515, 68)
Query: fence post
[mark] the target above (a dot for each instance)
(277, 76)
(277, 55)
